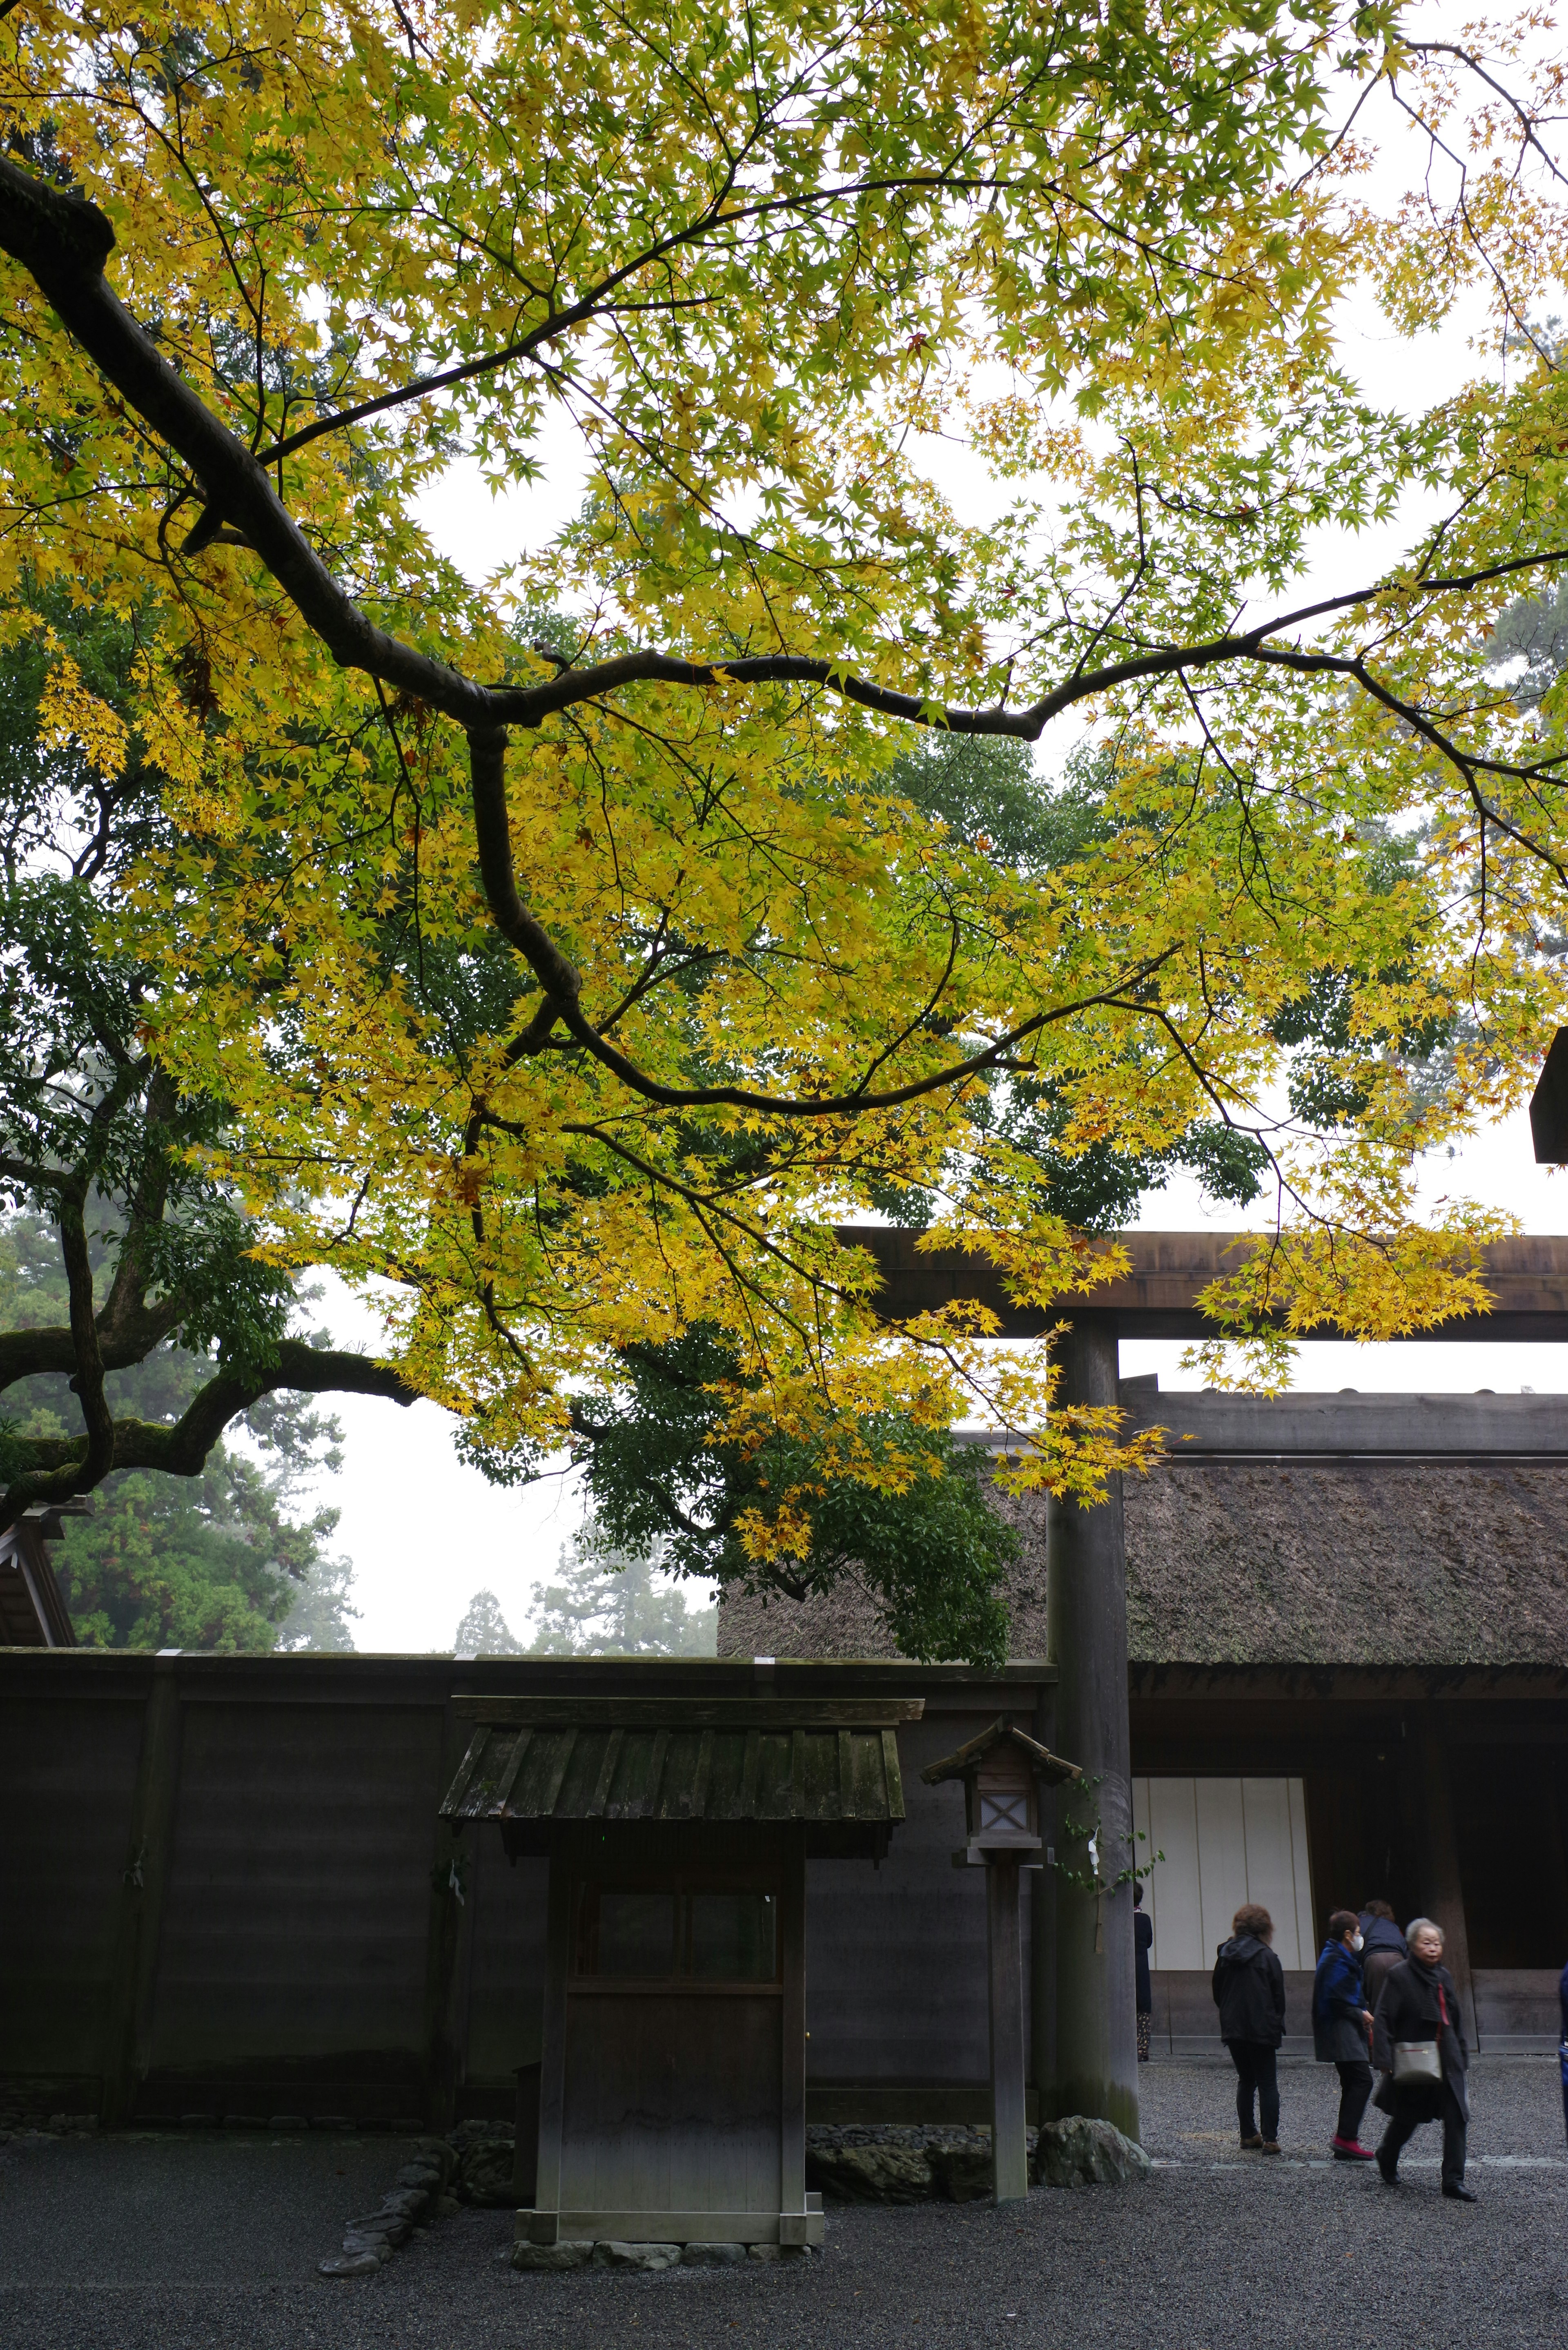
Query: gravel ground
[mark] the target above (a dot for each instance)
(171, 2244)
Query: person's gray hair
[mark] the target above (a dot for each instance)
(1423, 1926)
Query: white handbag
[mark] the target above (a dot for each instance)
(1417, 2059)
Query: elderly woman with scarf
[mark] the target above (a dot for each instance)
(1341, 2029)
(1419, 2048)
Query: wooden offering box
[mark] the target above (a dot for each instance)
(673, 2078)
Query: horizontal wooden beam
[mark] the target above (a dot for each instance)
(505, 1712)
(1157, 1296)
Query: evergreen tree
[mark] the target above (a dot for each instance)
(485, 1631)
(608, 1603)
(218, 1560)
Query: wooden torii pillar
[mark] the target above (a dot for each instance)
(1095, 2070)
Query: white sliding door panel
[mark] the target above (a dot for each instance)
(1221, 1858)
(1271, 1870)
(1173, 1830)
(1225, 1842)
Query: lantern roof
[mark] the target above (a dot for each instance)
(967, 1758)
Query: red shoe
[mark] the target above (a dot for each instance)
(1349, 2149)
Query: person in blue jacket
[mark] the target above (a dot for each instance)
(1341, 2029)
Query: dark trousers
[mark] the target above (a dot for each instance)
(1355, 2088)
(1403, 2125)
(1256, 2078)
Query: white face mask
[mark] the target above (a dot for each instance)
(1356, 1940)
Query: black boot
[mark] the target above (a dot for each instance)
(1455, 2192)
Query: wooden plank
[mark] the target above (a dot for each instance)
(748, 1771)
(606, 1779)
(129, 2038)
(690, 1713)
(704, 1772)
(553, 2042)
(448, 1938)
(508, 1779)
(798, 1801)
(894, 1775)
(1009, 2139)
(653, 1793)
(555, 1774)
(847, 1804)
(539, 2226)
(792, 2082)
(452, 1802)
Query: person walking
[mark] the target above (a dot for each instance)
(1383, 1948)
(1563, 2043)
(1419, 2048)
(1342, 2030)
(1250, 1993)
(1143, 1942)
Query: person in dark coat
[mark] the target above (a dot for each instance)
(1143, 1942)
(1342, 2030)
(1563, 2043)
(1383, 1948)
(1420, 2007)
(1250, 1993)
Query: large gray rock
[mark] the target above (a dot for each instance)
(962, 2172)
(1079, 2152)
(484, 2174)
(608, 2254)
(714, 2256)
(437, 2151)
(551, 2256)
(869, 2174)
(349, 2264)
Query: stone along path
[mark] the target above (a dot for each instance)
(171, 2243)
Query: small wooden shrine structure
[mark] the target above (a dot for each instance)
(672, 2074)
(1001, 1771)
(32, 1613)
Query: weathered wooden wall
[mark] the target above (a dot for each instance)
(225, 1891)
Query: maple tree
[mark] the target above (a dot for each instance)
(569, 952)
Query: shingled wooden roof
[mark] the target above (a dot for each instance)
(675, 1760)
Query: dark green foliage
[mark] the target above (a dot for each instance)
(218, 1560)
(986, 789)
(934, 1553)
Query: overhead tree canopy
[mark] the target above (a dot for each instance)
(575, 950)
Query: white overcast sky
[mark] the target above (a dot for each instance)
(424, 1533)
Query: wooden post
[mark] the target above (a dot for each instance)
(1097, 2022)
(792, 2019)
(127, 2049)
(449, 1941)
(1043, 1925)
(1009, 2138)
(1441, 1892)
(553, 2050)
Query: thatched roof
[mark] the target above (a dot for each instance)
(1373, 1565)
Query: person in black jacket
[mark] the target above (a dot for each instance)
(1420, 2007)
(1250, 1993)
(1383, 1948)
(1143, 1942)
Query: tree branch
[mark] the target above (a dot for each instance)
(58, 1467)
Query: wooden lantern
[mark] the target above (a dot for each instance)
(1002, 1770)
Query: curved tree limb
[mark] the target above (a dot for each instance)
(58, 1467)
